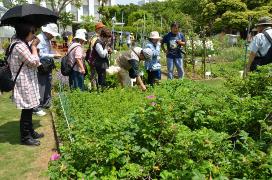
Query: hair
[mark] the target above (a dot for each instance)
(23, 30)
(105, 32)
(175, 24)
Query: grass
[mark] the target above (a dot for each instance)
(19, 161)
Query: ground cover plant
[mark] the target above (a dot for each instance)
(177, 130)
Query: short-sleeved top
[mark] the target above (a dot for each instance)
(76, 53)
(174, 50)
(44, 46)
(129, 61)
(260, 44)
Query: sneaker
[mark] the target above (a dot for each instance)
(40, 113)
(30, 141)
(36, 135)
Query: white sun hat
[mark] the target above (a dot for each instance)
(80, 35)
(154, 35)
(51, 29)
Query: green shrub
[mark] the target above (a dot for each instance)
(177, 130)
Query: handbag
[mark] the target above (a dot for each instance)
(66, 68)
(47, 66)
(6, 82)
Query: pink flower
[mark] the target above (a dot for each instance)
(55, 157)
(153, 104)
(151, 97)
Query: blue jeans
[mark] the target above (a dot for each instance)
(179, 65)
(76, 80)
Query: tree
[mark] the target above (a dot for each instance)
(66, 19)
(59, 6)
(88, 23)
(10, 3)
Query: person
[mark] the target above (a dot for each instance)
(153, 67)
(174, 40)
(100, 53)
(75, 59)
(128, 40)
(260, 46)
(128, 62)
(98, 27)
(26, 91)
(46, 54)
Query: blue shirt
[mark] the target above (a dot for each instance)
(155, 56)
(174, 50)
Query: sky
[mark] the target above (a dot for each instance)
(126, 1)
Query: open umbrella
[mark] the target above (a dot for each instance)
(31, 13)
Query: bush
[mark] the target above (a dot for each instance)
(177, 130)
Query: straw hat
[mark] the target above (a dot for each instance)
(99, 25)
(80, 35)
(264, 21)
(51, 29)
(154, 35)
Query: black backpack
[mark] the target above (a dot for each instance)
(263, 60)
(6, 82)
(66, 68)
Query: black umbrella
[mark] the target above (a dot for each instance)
(31, 13)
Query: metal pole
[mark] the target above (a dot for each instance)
(144, 32)
(246, 44)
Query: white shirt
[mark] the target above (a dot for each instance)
(261, 43)
(44, 46)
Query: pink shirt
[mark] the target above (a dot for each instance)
(76, 53)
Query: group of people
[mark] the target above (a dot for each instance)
(32, 90)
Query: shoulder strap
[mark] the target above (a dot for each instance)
(8, 54)
(70, 52)
(267, 37)
(10, 49)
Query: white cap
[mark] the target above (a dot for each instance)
(154, 35)
(51, 29)
(147, 53)
(80, 34)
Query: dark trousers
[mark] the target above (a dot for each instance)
(101, 75)
(76, 80)
(152, 76)
(26, 126)
(45, 86)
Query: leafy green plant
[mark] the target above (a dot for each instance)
(176, 130)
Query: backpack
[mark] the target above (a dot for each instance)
(263, 60)
(66, 68)
(6, 82)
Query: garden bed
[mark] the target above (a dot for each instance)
(177, 130)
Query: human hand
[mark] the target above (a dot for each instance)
(143, 88)
(109, 50)
(82, 71)
(35, 42)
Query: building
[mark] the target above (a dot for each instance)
(89, 8)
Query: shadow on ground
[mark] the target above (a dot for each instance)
(10, 131)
